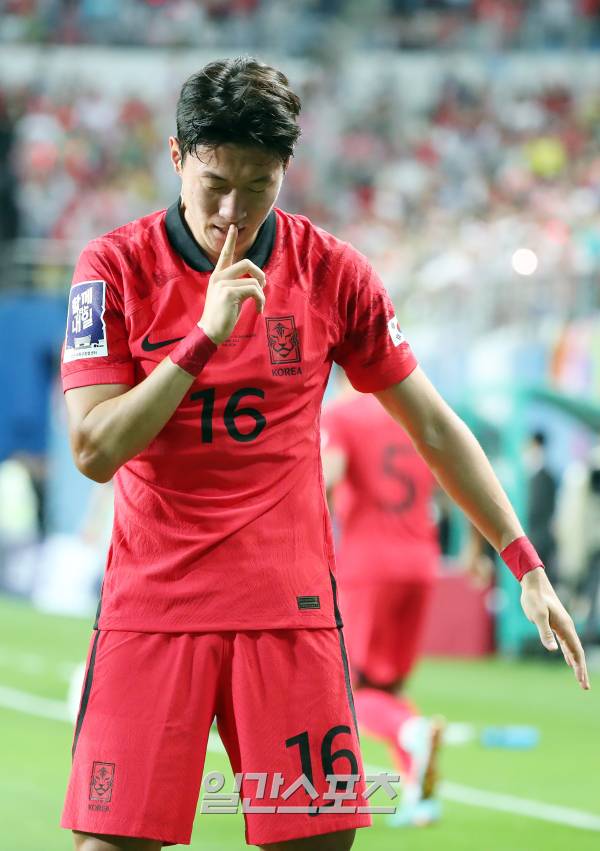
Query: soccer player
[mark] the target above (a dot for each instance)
(387, 558)
(199, 342)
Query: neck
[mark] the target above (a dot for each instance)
(191, 248)
(211, 256)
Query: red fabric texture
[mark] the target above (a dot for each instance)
(521, 557)
(382, 714)
(384, 627)
(151, 703)
(194, 351)
(221, 522)
(383, 507)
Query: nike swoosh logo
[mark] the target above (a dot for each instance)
(147, 346)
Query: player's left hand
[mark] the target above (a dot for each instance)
(555, 626)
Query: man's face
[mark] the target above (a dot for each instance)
(227, 185)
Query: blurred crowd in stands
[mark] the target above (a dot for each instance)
(478, 201)
(305, 25)
(440, 199)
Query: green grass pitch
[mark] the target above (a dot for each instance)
(37, 652)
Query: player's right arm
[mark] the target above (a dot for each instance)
(111, 423)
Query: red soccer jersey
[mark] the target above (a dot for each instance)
(384, 503)
(220, 523)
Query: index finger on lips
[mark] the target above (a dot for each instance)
(226, 256)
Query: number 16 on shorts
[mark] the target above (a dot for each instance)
(268, 792)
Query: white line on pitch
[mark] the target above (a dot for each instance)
(519, 806)
(56, 710)
(31, 704)
(34, 663)
(510, 804)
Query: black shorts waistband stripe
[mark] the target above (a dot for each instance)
(339, 624)
(86, 692)
(336, 609)
(349, 693)
(99, 608)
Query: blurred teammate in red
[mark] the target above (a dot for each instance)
(199, 343)
(387, 556)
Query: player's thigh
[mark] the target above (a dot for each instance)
(414, 599)
(394, 640)
(288, 725)
(141, 734)
(100, 842)
(342, 840)
(356, 604)
(388, 641)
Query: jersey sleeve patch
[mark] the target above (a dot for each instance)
(395, 332)
(86, 329)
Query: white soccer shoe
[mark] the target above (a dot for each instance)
(422, 814)
(421, 738)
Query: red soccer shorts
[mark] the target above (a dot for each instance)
(283, 703)
(384, 626)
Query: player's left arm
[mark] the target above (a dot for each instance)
(463, 470)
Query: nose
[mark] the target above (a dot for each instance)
(231, 209)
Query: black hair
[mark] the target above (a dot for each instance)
(238, 101)
(539, 438)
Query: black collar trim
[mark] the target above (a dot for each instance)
(182, 240)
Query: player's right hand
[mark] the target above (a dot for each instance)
(228, 289)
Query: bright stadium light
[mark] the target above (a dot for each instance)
(524, 261)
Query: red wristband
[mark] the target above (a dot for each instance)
(521, 557)
(194, 351)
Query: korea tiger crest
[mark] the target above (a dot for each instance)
(283, 339)
(101, 784)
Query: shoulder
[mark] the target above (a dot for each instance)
(127, 240)
(317, 246)
(328, 272)
(126, 259)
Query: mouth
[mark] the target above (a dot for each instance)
(223, 231)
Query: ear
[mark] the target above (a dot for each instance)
(175, 152)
